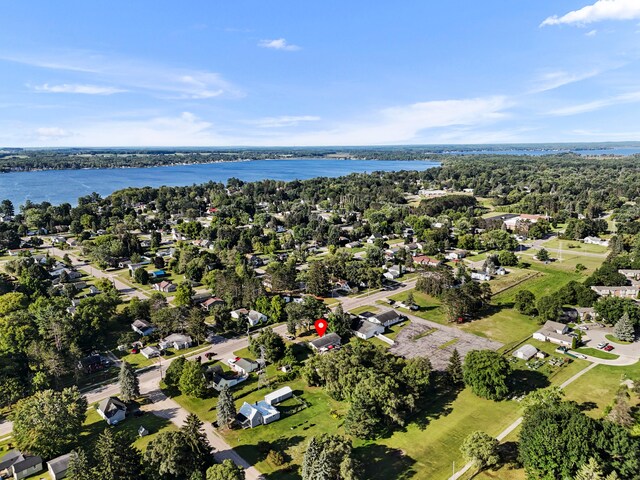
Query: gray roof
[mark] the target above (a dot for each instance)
(109, 406)
(386, 316)
(27, 463)
(61, 463)
(246, 364)
(551, 325)
(367, 328)
(527, 350)
(326, 340)
(11, 457)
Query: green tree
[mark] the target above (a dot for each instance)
(195, 325)
(272, 343)
(184, 295)
(454, 369)
(174, 372)
(129, 383)
(115, 457)
(227, 470)
(624, 329)
(549, 308)
(197, 444)
(339, 321)
(141, 276)
(49, 422)
(226, 408)
(481, 449)
(166, 456)
(192, 382)
(486, 372)
(79, 467)
(328, 457)
(525, 302)
(543, 255)
(590, 471)
(318, 279)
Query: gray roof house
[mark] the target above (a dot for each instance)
(143, 327)
(525, 352)
(112, 410)
(58, 466)
(326, 342)
(554, 332)
(390, 317)
(255, 414)
(243, 365)
(177, 341)
(18, 465)
(366, 329)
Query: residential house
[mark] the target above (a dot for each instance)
(72, 242)
(327, 342)
(621, 291)
(390, 275)
(164, 286)
(254, 318)
(239, 313)
(365, 329)
(217, 378)
(256, 414)
(93, 363)
(480, 276)
(519, 220)
(176, 341)
(525, 352)
(554, 332)
(210, 303)
(133, 267)
(143, 327)
(501, 271)
(386, 319)
(586, 314)
(633, 275)
(426, 261)
(243, 366)
(18, 465)
(112, 410)
(455, 255)
(374, 237)
(58, 466)
(355, 244)
(343, 285)
(150, 352)
(595, 241)
(278, 396)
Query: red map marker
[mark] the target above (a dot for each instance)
(321, 326)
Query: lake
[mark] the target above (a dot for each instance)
(59, 186)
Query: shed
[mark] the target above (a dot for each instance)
(525, 352)
(58, 466)
(278, 396)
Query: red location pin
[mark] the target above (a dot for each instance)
(321, 326)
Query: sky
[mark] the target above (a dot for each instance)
(314, 73)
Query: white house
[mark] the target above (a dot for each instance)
(366, 329)
(630, 274)
(374, 237)
(256, 414)
(554, 332)
(150, 352)
(239, 313)
(177, 341)
(242, 366)
(143, 327)
(164, 286)
(329, 341)
(386, 319)
(621, 291)
(525, 352)
(480, 276)
(455, 255)
(112, 410)
(58, 466)
(254, 317)
(595, 241)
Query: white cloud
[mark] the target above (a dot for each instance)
(599, 11)
(78, 88)
(278, 44)
(552, 80)
(597, 104)
(591, 33)
(284, 121)
(51, 132)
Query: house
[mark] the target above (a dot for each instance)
(254, 317)
(210, 303)
(386, 319)
(150, 352)
(18, 465)
(455, 255)
(254, 260)
(501, 271)
(57, 467)
(256, 414)
(93, 290)
(390, 275)
(630, 274)
(554, 332)
(595, 241)
(621, 291)
(164, 286)
(427, 192)
(525, 352)
(355, 244)
(426, 261)
(72, 242)
(93, 363)
(365, 329)
(143, 327)
(343, 285)
(218, 378)
(176, 341)
(278, 396)
(374, 237)
(239, 313)
(519, 220)
(243, 366)
(112, 410)
(325, 343)
(133, 267)
(142, 432)
(480, 276)
(586, 314)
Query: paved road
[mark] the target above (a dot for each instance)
(349, 303)
(516, 423)
(122, 287)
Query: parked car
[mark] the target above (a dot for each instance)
(608, 348)
(602, 345)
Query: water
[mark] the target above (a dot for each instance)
(59, 186)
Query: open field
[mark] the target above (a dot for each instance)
(574, 246)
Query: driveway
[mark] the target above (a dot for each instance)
(628, 354)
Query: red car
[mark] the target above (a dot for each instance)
(608, 348)
(135, 350)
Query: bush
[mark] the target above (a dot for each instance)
(276, 458)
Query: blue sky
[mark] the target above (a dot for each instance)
(224, 73)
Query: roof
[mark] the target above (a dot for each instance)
(249, 411)
(551, 325)
(212, 301)
(109, 406)
(178, 338)
(386, 316)
(61, 463)
(11, 457)
(265, 409)
(245, 364)
(367, 328)
(275, 396)
(142, 324)
(28, 462)
(527, 351)
(326, 340)
(425, 259)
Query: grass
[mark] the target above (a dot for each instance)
(424, 334)
(453, 341)
(393, 331)
(429, 307)
(571, 245)
(598, 387)
(514, 277)
(502, 324)
(614, 339)
(364, 308)
(594, 352)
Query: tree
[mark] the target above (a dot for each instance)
(174, 372)
(486, 372)
(79, 468)
(197, 445)
(166, 455)
(409, 300)
(49, 422)
(339, 322)
(621, 412)
(195, 325)
(226, 408)
(318, 279)
(624, 329)
(543, 255)
(192, 382)
(115, 457)
(227, 470)
(184, 295)
(129, 383)
(417, 374)
(141, 276)
(543, 396)
(272, 343)
(328, 457)
(525, 302)
(549, 307)
(481, 449)
(454, 369)
(590, 471)
(507, 259)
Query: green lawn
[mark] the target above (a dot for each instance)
(503, 324)
(571, 245)
(430, 308)
(594, 352)
(613, 339)
(364, 308)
